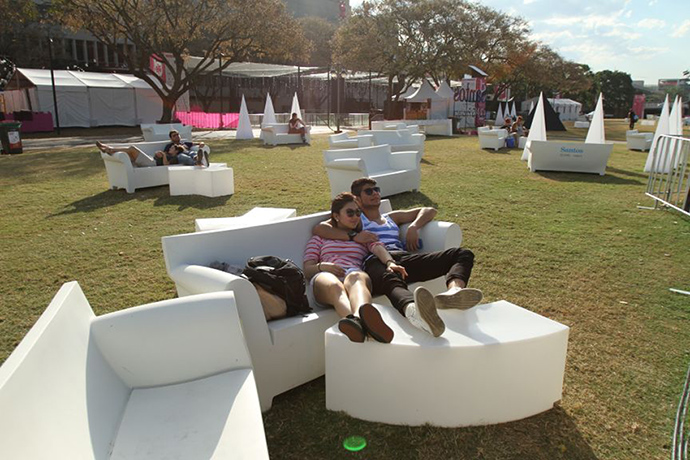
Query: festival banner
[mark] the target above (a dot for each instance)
(638, 105)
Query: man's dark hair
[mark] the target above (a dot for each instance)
(358, 185)
(174, 131)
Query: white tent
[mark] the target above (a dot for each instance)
(567, 109)
(448, 95)
(537, 131)
(87, 99)
(426, 93)
(662, 127)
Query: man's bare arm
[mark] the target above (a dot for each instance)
(326, 230)
(418, 217)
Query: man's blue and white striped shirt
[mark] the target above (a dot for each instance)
(388, 232)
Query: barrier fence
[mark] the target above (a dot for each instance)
(229, 120)
(669, 179)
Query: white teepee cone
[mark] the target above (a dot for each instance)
(295, 107)
(675, 128)
(596, 135)
(269, 114)
(499, 115)
(531, 106)
(244, 126)
(537, 132)
(513, 112)
(662, 127)
(680, 116)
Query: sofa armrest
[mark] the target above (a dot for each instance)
(437, 235)
(197, 279)
(403, 160)
(347, 164)
(364, 140)
(418, 138)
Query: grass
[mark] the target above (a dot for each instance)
(572, 247)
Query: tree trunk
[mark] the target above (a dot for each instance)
(168, 107)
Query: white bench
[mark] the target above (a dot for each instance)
(638, 141)
(568, 156)
(491, 138)
(161, 132)
(254, 216)
(287, 352)
(494, 363)
(395, 172)
(277, 133)
(171, 379)
(123, 174)
(400, 140)
(438, 127)
(344, 141)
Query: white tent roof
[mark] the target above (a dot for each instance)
(445, 91)
(41, 78)
(423, 93)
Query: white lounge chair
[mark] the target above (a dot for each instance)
(161, 132)
(171, 379)
(492, 138)
(638, 141)
(344, 141)
(274, 134)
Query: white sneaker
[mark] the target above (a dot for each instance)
(422, 313)
(455, 297)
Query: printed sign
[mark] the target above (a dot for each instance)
(469, 103)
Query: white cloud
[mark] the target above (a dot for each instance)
(622, 33)
(648, 52)
(527, 2)
(682, 30)
(651, 23)
(653, 2)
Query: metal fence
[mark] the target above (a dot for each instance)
(349, 120)
(669, 179)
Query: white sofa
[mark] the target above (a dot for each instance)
(123, 174)
(154, 132)
(395, 172)
(638, 141)
(171, 379)
(288, 352)
(344, 141)
(274, 134)
(400, 140)
(491, 138)
(376, 126)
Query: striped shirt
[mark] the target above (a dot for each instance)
(388, 232)
(347, 254)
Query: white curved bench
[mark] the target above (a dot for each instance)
(495, 363)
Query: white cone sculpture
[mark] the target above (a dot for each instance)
(596, 135)
(531, 106)
(675, 128)
(537, 131)
(295, 107)
(244, 126)
(269, 114)
(662, 127)
(499, 116)
(679, 115)
(513, 112)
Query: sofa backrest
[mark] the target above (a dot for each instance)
(392, 137)
(375, 157)
(161, 132)
(286, 239)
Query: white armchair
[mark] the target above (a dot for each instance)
(274, 134)
(161, 132)
(638, 141)
(492, 138)
(395, 172)
(343, 141)
(168, 379)
(400, 140)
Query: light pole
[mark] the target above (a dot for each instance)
(220, 82)
(52, 80)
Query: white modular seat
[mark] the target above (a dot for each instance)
(123, 174)
(491, 138)
(638, 141)
(213, 181)
(568, 156)
(377, 126)
(344, 141)
(395, 172)
(258, 215)
(400, 140)
(494, 363)
(286, 352)
(581, 124)
(170, 379)
(277, 133)
(161, 132)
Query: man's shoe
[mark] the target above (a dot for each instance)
(352, 327)
(462, 299)
(374, 324)
(422, 313)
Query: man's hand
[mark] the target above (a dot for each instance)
(366, 237)
(330, 267)
(395, 268)
(412, 238)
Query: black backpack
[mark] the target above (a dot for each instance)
(282, 278)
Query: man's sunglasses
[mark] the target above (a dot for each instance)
(353, 212)
(370, 191)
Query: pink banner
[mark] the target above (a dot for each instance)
(208, 120)
(638, 105)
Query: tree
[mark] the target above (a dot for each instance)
(21, 39)
(319, 33)
(617, 89)
(173, 30)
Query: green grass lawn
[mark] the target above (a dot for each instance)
(572, 247)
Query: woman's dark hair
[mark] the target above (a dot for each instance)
(339, 203)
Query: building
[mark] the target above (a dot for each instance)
(332, 10)
(674, 82)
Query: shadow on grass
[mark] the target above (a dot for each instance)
(588, 178)
(411, 199)
(40, 167)
(549, 435)
(159, 196)
(627, 173)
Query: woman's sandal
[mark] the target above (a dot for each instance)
(353, 328)
(374, 324)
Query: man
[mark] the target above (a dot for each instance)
(174, 152)
(183, 152)
(297, 126)
(456, 264)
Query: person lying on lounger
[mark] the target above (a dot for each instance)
(174, 152)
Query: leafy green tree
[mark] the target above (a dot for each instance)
(174, 30)
(617, 89)
(319, 33)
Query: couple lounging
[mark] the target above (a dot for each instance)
(358, 251)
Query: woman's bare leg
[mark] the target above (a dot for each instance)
(131, 151)
(329, 290)
(358, 287)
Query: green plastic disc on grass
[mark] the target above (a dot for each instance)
(355, 443)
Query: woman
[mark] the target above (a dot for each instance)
(297, 126)
(518, 130)
(337, 278)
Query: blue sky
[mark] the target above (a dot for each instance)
(649, 39)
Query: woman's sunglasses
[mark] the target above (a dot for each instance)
(370, 191)
(353, 212)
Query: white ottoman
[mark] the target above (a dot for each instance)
(581, 124)
(495, 363)
(255, 216)
(216, 180)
